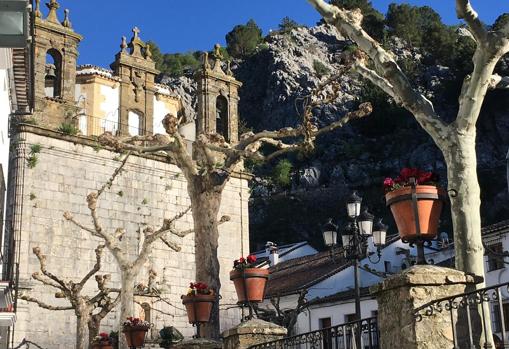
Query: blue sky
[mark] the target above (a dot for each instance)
(188, 25)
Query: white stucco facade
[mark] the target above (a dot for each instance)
(332, 299)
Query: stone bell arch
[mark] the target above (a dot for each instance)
(218, 98)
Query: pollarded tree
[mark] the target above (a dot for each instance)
(85, 307)
(286, 317)
(129, 268)
(456, 139)
(213, 162)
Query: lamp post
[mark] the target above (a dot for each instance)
(354, 237)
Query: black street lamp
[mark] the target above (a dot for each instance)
(354, 237)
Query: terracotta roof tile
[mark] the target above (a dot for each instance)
(297, 274)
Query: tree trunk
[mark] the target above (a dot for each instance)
(465, 198)
(205, 206)
(81, 329)
(93, 330)
(126, 301)
(464, 192)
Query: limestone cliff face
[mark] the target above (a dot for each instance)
(287, 66)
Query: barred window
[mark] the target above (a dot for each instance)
(495, 260)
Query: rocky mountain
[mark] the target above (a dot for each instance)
(290, 64)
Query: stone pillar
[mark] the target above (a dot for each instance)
(398, 297)
(198, 343)
(252, 332)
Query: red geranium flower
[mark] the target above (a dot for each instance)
(424, 177)
(409, 172)
(388, 182)
(242, 260)
(251, 258)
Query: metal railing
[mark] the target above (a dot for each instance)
(335, 337)
(480, 316)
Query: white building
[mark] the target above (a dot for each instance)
(329, 278)
(13, 99)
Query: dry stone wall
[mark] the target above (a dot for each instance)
(143, 194)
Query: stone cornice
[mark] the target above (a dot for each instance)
(92, 142)
(43, 24)
(209, 73)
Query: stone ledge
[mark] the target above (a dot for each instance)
(198, 343)
(255, 326)
(426, 275)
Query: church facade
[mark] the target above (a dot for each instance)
(55, 161)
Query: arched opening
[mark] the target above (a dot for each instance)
(222, 117)
(53, 74)
(134, 121)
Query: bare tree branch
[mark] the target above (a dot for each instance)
(376, 79)
(42, 263)
(97, 266)
(465, 11)
(41, 304)
(499, 82)
(349, 23)
(172, 245)
(46, 281)
(117, 171)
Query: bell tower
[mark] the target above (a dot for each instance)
(218, 98)
(137, 72)
(56, 53)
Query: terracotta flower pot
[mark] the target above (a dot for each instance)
(251, 281)
(430, 200)
(198, 307)
(135, 336)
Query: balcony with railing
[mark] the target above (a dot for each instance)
(335, 337)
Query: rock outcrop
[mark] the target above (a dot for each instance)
(287, 67)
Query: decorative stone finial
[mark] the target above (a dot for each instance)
(123, 44)
(67, 23)
(218, 56)
(217, 52)
(37, 11)
(53, 6)
(229, 68)
(148, 53)
(206, 64)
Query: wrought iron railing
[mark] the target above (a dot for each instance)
(335, 337)
(480, 316)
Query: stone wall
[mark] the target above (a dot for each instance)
(149, 190)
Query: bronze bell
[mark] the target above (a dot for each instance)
(51, 72)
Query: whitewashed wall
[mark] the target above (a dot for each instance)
(110, 106)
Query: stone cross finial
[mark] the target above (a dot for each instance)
(37, 12)
(66, 23)
(123, 44)
(136, 32)
(53, 6)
